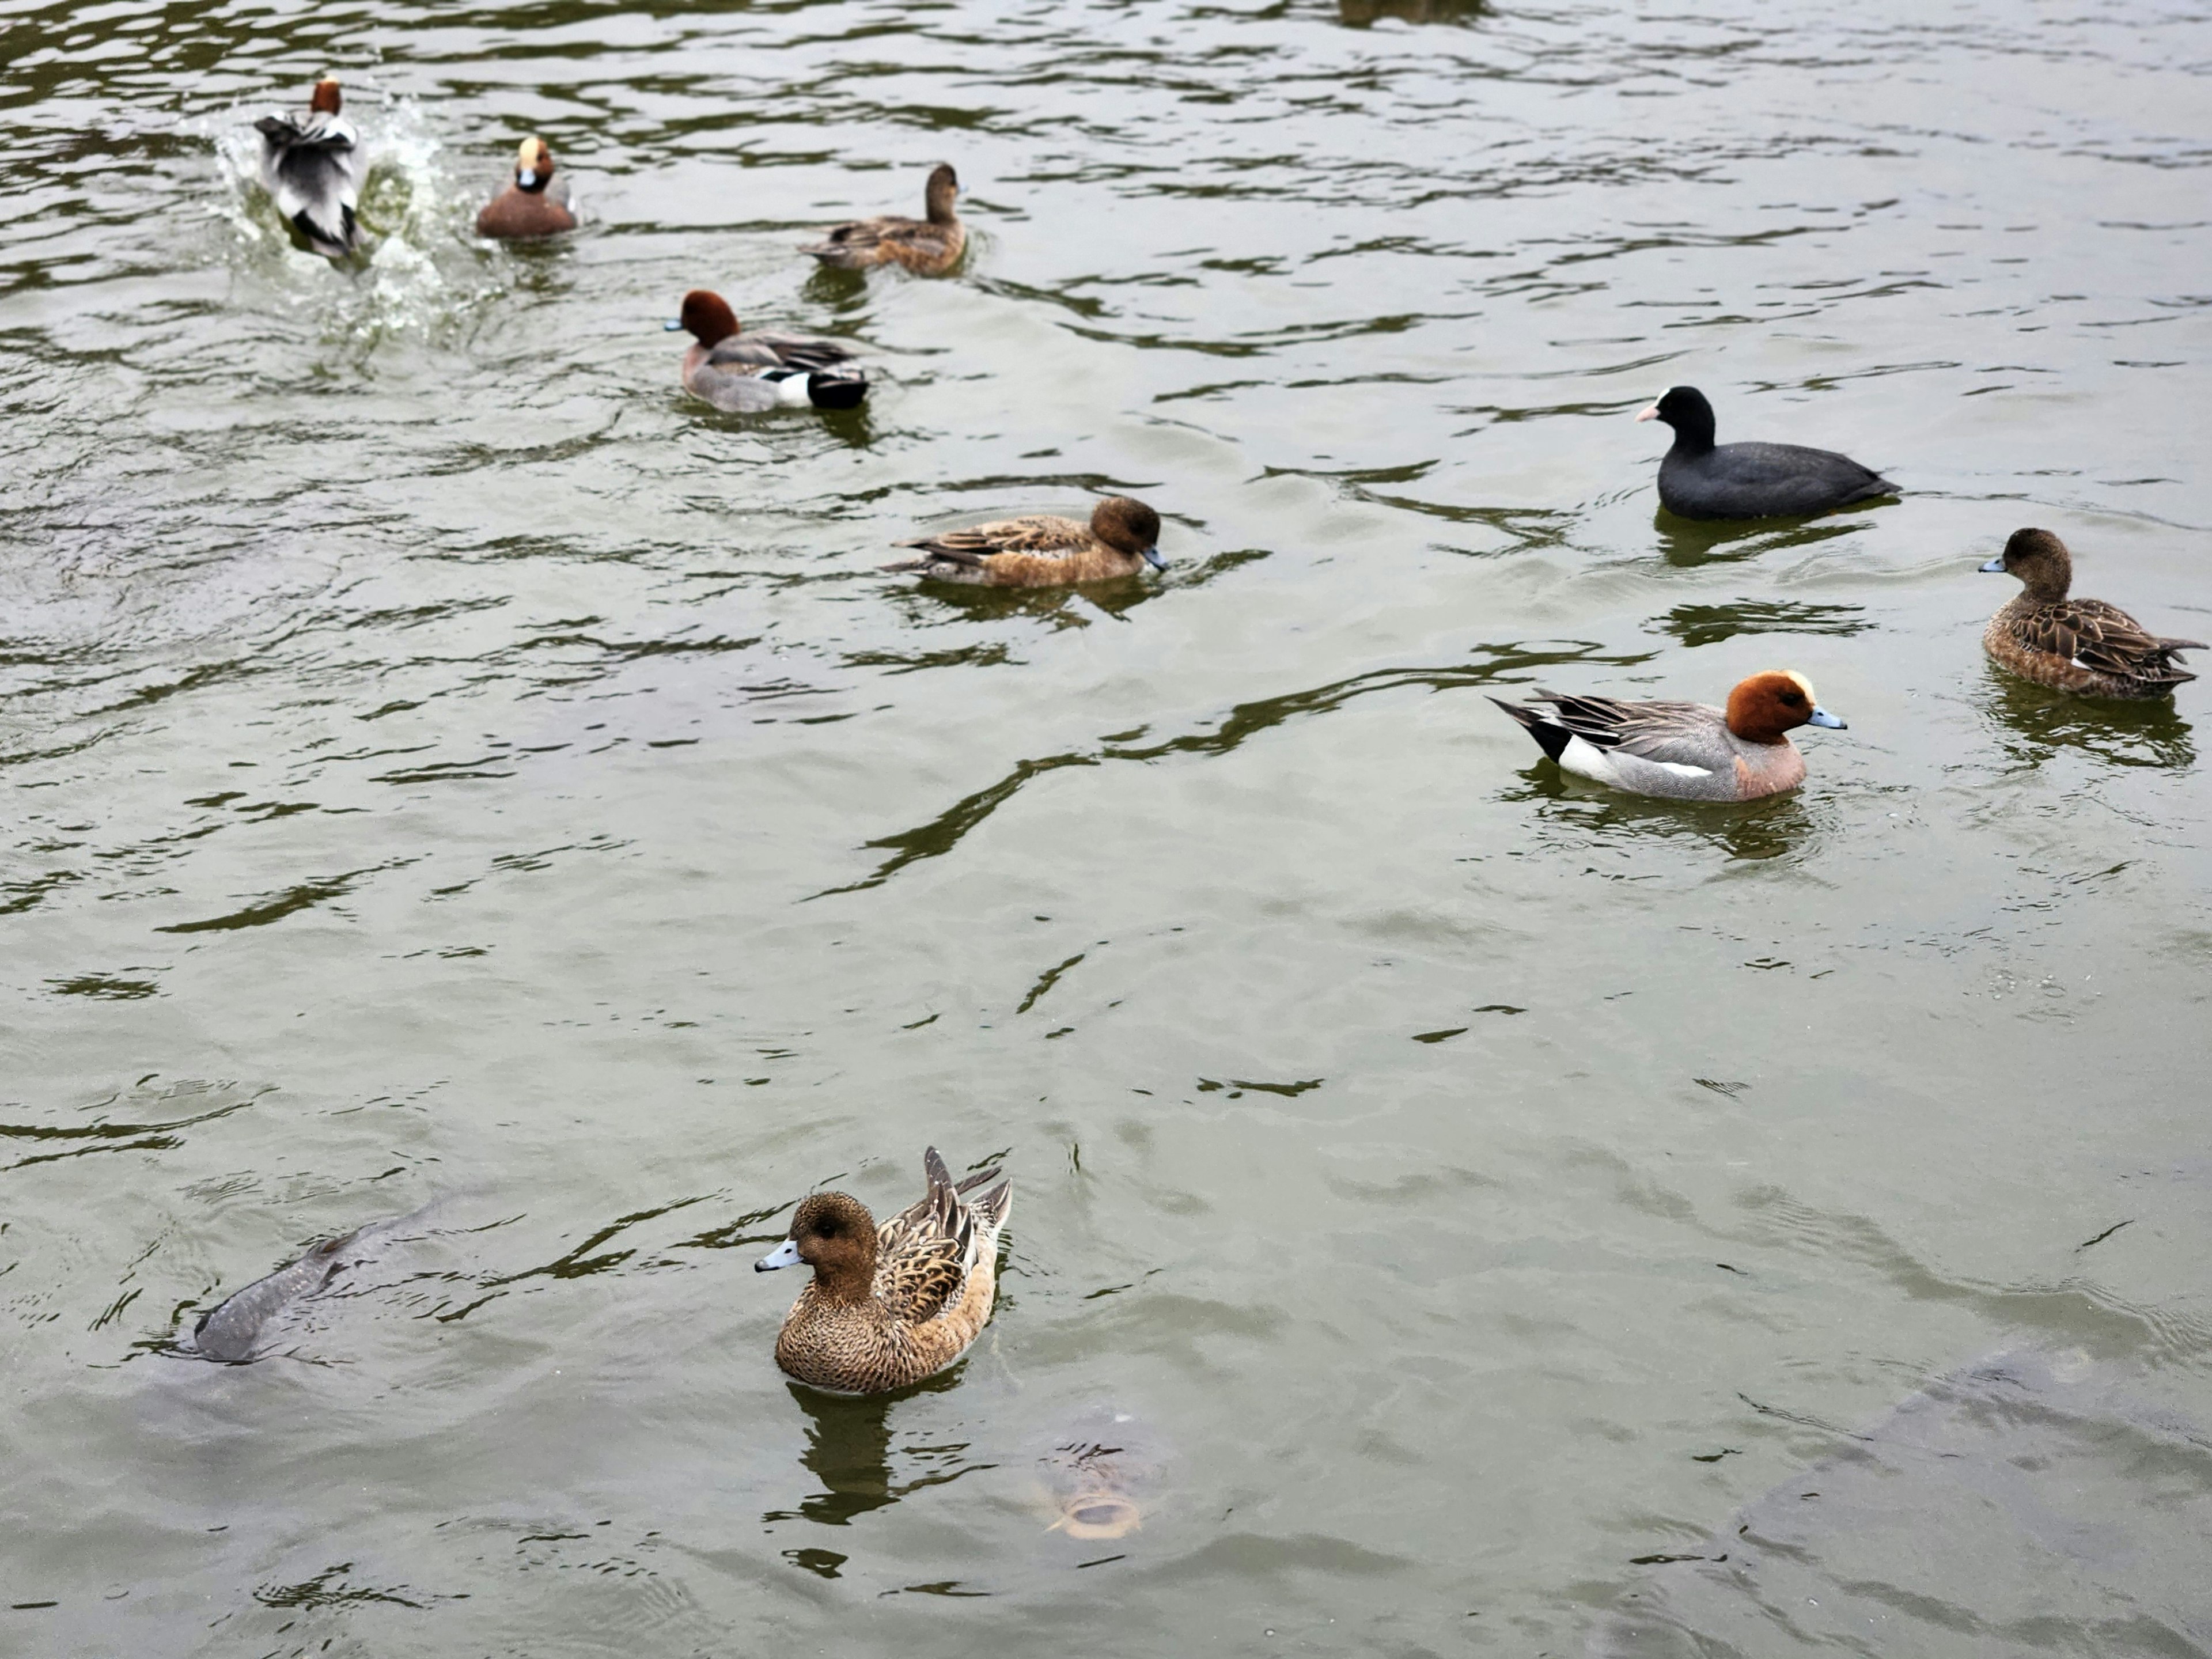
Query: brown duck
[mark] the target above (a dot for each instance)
(2084, 646)
(893, 1305)
(928, 246)
(1121, 538)
(526, 208)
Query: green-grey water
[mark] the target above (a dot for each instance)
(449, 767)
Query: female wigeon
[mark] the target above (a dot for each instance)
(313, 166)
(1699, 479)
(765, 369)
(2075, 645)
(893, 1305)
(928, 246)
(1121, 538)
(527, 207)
(1683, 750)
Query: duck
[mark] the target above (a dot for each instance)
(1682, 750)
(1699, 479)
(2084, 645)
(763, 370)
(527, 207)
(928, 246)
(1042, 551)
(312, 166)
(890, 1305)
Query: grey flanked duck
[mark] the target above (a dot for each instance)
(312, 166)
(890, 1305)
(1681, 750)
(529, 206)
(1701, 479)
(1043, 552)
(2084, 646)
(928, 246)
(768, 368)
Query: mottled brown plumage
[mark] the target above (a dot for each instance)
(527, 207)
(1121, 538)
(2082, 645)
(928, 246)
(893, 1305)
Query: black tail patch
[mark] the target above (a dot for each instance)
(836, 391)
(1551, 736)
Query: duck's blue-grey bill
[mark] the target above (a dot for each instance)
(1152, 558)
(1820, 716)
(1994, 568)
(672, 325)
(527, 177)
(784, 1254)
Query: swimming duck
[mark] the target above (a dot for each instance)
(1121, 538)
(314, 168)
(2075, 645)
(527, 207)
(1682, 750)
(765, 369)
(893, 1305)
(928, 246)
(1699, 479)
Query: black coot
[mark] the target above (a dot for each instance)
(1700, 479)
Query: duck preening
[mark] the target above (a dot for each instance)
(1700, 479)
(2084, 646)
(312, 166)
(890, 1305)
(1681, 750)
(928, 246)
(751, 373)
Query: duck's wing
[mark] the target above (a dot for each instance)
(2091, 634)
(800, 350)
(871, 241)
(925, 1254)
(1673, 733)
(1043, 534)
(313, 170)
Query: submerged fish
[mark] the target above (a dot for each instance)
(227, 1334)
(1095, 1473)
(2026, 1498)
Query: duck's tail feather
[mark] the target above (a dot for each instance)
(1549, 732)
(843, 388)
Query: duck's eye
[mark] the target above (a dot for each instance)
(1793, 697)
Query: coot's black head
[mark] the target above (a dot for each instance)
(1685, 408)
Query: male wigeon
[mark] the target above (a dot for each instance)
(527, 207)
(1121, 538)
(2075, 645)
(1682, 750)
(765, 369)
(1699, 479)
(312, 166)
(928, 246)
(893, 1305)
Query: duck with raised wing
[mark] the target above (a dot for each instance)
(2084, 646)
(1700, 479)
(313, 166)
(927, 246)
(1044, 551)
(890, 1305)
(1681, 750)
(528, 206)
(765, 369)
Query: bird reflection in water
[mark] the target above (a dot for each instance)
(849, 1450)
(1773, 827)
(1687, 543)
(1359, 14)
(2037, 722)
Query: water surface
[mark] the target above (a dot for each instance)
(448, 764)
